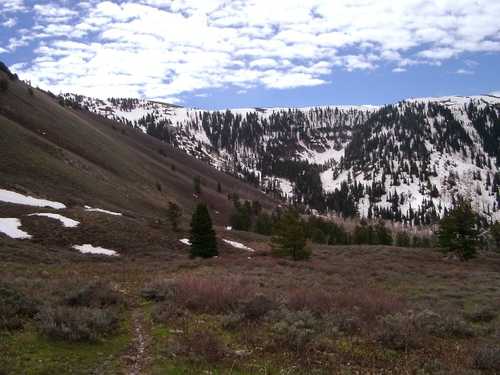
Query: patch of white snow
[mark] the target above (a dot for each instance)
(89, 249)
(66, 222)
(185, 241)
(10, 227)
(16, 198)
(91, 209)
(238, 245)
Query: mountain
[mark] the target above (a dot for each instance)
(407, 162)
(78, 158)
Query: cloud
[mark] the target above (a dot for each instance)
(10, 6)
(464, 72)
(166, 48)
(11, 22)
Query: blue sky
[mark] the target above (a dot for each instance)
(246, 53)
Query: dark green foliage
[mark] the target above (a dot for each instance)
(197, 184)
(403, 239)
(241, 217)
(495, 233)
(4, 85)
(15, 308)
(289, 238)
(174, 214)
(363, 234)
(264, 224)
(322, 231)
(203, 240)
(30, 91)
(382, 234)
(457, 231)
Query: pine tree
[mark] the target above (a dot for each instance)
(289, 238)
(219, 187)
(174, 214)
(495, 233)
(403, 239)
(457, 231)
(383, 234)
(203, 241)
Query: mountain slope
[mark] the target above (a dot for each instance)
(406, 162)
(79, 158)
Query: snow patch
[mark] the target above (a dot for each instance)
(66, 222)
(16, 198)
(89, 249)
(185, 241)
(238, 245)
(10, 227)
(91, 209)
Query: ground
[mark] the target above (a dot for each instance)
(325, 315)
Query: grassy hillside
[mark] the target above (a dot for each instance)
(77, 158)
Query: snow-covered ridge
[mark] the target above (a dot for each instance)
(321, 135)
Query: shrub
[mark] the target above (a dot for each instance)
(30, 91)
(315, 300)
(295, 329)
(449, 326)
(4, 85)
(92, 294)
(14, 308)
(487, 358)
(159, 291)
(232, 321)
(201, 346)
(166, 312)
(481, 315)
(76, 323)
(257, 307)
(398, 332)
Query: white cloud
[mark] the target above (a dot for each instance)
(11, 22)
(8, 6)
(464, 72)
(164, 48)
(399, 70)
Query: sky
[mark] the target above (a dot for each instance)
(255, 53)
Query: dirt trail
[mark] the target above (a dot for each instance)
(136, 360)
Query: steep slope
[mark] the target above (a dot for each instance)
(406, 162)
(80, 159)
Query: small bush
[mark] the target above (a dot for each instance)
(315, 300)
(30, 91)
(257, 307)
(159, 291)
(449, 326)
(481, 315)
(4, 85)
(296, 329)
(201, 346)
(211, 295)
(92, 294)
(487, 358)
(14, 308)
(76, 323)
(398, 332)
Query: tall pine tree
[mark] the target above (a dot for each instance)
(203, 241)
(289, 238)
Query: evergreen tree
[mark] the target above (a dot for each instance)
(495, 233)
(289, 238)
(457, 231)
(264, 224)
(174, 214)
(4, 84)
(219, 187)
(383, 234)
(203, 241)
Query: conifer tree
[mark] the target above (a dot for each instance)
(457, 231)
(289, 238)
(197, 184)
(203, 240)
(495, 233)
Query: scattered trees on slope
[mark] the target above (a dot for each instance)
(289, 238)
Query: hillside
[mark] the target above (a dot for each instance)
(77, 158)
(406, 162)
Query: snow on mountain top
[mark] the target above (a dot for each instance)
(456, 100)
(16, 198)
(90, 209)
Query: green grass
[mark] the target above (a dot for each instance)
(28, 353)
